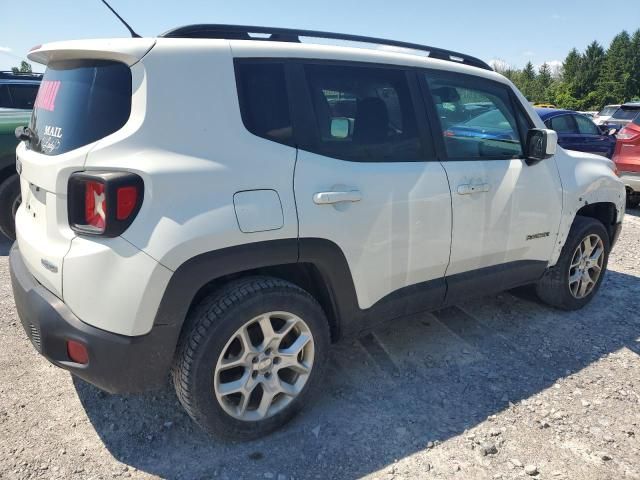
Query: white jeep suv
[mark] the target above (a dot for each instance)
(222, 206)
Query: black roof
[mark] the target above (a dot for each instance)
(243, 32)
(9, 75)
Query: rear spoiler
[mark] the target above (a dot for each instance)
(125, 50)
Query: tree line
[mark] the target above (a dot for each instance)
(587, 80)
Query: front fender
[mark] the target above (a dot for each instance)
(586, 179)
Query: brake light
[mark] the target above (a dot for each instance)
(104, 203)
(627, 134)
(127, 198)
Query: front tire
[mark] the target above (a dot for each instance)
(253, 355)
(577, 276)
(10, 199)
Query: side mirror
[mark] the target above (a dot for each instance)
(340, 127)
(541, 144)
(612, 131)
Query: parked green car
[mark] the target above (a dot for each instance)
(17, 96)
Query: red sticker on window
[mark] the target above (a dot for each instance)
(47, 93)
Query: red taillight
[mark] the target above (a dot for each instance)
(627, 134)
(127, 200)
(104, 203)
(77, 352)
(95, 205)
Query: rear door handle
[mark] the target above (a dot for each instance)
(327, 198)
(468, 188)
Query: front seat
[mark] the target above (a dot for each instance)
(372, 121)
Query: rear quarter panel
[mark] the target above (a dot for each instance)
(188, 143)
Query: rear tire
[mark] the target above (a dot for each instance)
(577, 276)
(236, 381)
(10, 199)
(633, 200)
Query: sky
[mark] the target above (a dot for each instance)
(513, 31)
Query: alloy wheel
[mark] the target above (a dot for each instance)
(264, 366)
(586, 266)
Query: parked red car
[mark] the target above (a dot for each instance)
(627, 158)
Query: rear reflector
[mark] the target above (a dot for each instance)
(77, 352)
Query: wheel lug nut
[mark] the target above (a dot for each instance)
(267, 351)
(276, 360)
(255, 360)
(267, 374)
(254, 374)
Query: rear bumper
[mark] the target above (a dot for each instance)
(117, 363)
(631, 180)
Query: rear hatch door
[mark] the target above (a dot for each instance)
(85, 95)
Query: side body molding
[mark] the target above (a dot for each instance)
(327, 259)
(200, 270)
(338, 294)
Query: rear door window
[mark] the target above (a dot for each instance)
(564, 124)
(586, 126)
(24, 96)
(5, 98)
(78, 103)
(363, 113)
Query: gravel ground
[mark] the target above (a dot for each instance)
(496, 388)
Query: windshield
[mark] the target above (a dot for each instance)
(625, 114)
(607, 111)
(79, 102)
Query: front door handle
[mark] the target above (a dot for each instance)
(468, 188)
(327, 198)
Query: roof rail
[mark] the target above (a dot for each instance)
(243, 32)
(9, 74)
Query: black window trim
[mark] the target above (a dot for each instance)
(434, 120)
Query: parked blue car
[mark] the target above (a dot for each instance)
(490, 124)
(578, 132)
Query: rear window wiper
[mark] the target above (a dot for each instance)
(24, 134)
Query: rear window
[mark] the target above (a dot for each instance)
(607, 111)
(625, 114)
(80, 102)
